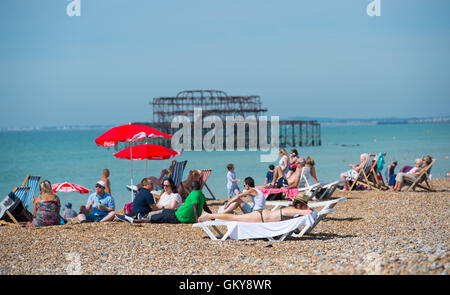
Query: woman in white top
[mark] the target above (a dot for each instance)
(258, 199)
(170, 199)
(282, 169)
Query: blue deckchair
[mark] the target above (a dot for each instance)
(176, 171)
(11, 204)
(32, 183)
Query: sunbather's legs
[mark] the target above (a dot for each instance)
(277, 173)
(254, 216)
(233, 206)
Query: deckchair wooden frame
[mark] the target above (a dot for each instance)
(205, 176)
(423, 177)
(363, 171)
(372, 177)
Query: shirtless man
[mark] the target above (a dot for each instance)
(105, 178)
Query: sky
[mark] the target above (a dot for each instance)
(312, 58)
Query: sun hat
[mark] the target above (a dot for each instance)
(101, 183)
(300, 198)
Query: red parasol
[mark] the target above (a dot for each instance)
(68, 188)
(128, 133)
(147, 151)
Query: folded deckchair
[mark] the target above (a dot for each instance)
(269, 230)
(326, 191)
(12, 207)
(205, 175)
(31, 182)
(422, 181)
(362, 177)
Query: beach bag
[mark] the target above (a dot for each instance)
(128, 208)
(276, 196)
(282, 182)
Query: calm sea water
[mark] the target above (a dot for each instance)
(73, 156)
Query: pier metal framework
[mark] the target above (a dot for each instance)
(218, 103)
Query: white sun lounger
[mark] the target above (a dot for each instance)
(257, 230)
(283, 229)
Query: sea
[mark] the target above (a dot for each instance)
(72, 156)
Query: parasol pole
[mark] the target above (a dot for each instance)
(131, 163)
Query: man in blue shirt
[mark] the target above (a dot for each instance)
(143, 202)
(100, 206)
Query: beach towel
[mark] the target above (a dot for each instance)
(290, 193)
(380, 163)
(258, 230)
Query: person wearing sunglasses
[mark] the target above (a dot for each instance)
(100, 205)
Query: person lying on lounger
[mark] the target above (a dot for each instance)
(299, 207)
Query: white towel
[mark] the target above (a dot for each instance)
(256, 230)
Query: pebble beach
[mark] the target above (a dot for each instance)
(371, 232)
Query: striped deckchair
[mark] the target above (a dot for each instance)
(423, 180)
(205, 175)
(32, 183)
(362, 177)
(176, 171)
(9, 204)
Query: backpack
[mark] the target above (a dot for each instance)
(282, 182)
(128, 208)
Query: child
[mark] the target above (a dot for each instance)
(232, 186)
(68, 212)
(391, 174)
(269, 175)
(106, 180)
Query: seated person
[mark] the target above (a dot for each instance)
(293, 159)
(258, 199)
(157, 182)
(189, 212)
(294, 180)
(411, 177)
(99, 207)
(309, 173)
(46, 207)
(281, 170)
(390, 175)
(68, 212)
(299, 207)
(353, 172)
(143, 202)
(185, 187)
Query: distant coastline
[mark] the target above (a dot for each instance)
(322, 121)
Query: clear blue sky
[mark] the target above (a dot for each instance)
(315, 58)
